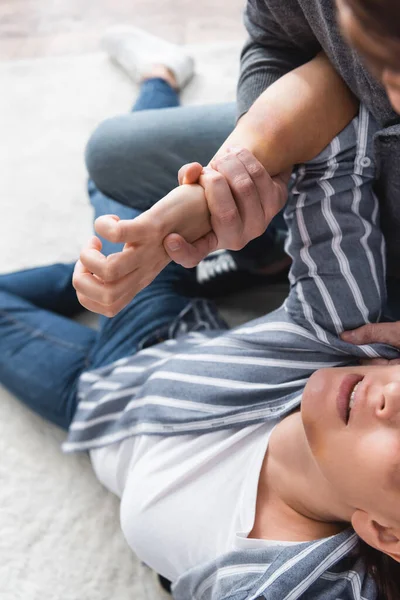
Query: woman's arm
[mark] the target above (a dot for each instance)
(338, 270)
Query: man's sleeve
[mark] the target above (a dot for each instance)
(279, 41)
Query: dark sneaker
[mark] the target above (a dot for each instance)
(221, 273)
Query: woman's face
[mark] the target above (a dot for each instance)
(351, 417)
(381, 54)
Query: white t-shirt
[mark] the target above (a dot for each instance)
(188, 499)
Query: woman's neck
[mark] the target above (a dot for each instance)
(294, 500)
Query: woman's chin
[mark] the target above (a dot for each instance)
(315, 411)
(315, 392)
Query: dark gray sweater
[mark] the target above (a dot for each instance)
(283, 34)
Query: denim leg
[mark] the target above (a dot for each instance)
(47, 287)
(150, 314)
(155, 94)
(147, 317)
(43, 354)
(135, 158)
(41, 357)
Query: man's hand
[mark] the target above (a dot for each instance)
(384, 333)
(242, 200)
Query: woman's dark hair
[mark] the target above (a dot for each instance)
(379, 16)
(384, 570)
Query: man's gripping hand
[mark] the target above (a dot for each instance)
(384, 333)
(234, 203)
(242, 200)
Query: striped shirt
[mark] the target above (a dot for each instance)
(212, 379)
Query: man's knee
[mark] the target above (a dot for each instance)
(108, 153)
(122, 153)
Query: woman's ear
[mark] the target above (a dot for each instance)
(383, 538)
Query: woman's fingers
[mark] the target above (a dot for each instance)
(103, 298)
(107, 293)
(189, 255)
(80, 277)
(107, 298)
(100, 309)
(120, 231)
(189, 173)
(112, 267)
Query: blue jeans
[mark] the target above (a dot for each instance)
(43, 352)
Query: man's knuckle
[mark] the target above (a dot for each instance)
(194, 262)
(244, 187)
(241, 151)
(229, 217)
(215, 178)
(221, 160)
(256, 170)
(257, 230)
(237, 243)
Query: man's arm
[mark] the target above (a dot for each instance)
(296, 117)
(293, 120)
(290, 106)
(273, 48)
(290, 123)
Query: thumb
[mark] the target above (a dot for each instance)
(189, 173)
(189, 255)
(385, 333)
(119, 231)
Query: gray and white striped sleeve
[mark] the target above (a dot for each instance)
(338, 251)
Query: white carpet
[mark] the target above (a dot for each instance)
(59, 532)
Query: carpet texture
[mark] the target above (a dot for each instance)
(60, 534)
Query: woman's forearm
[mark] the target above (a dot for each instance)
(296, 117)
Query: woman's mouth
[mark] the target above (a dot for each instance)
(346, 395)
